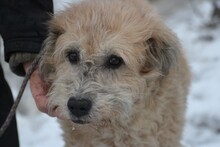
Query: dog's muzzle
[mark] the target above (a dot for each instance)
(79, 108)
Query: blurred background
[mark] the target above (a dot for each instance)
(197, 24)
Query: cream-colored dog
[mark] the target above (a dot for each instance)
(118, 75)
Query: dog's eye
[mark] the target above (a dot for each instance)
(114, 62)
(73, 57)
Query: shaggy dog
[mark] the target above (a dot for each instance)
(117, 74)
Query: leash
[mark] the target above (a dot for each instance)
(20, 93)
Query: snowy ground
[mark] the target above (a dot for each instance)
(202, 48)
(203, 114)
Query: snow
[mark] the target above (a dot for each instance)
(60, 5)
(202, 47)
(39, 131)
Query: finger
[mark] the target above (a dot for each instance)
(39, 91)
(52, 112)
(42, 103)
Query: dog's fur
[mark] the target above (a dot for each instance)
(139, 104)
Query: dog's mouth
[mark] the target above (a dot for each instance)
(79, 121)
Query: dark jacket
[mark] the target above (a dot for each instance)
(23, 29)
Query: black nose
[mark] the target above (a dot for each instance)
(79, 107)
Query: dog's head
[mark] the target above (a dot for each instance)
(103, 59)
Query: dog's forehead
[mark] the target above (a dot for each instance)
(105, 28)
(93, 22)
(96, 39)
(94, 45)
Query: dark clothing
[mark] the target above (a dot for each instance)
(10, 137)
(23, 25)
(23, 29)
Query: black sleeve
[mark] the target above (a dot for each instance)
(22, 25)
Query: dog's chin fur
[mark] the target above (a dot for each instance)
(142, 102)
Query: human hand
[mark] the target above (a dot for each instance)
(39, 90)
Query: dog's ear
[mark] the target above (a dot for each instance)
(46, 65)
(162, 53)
